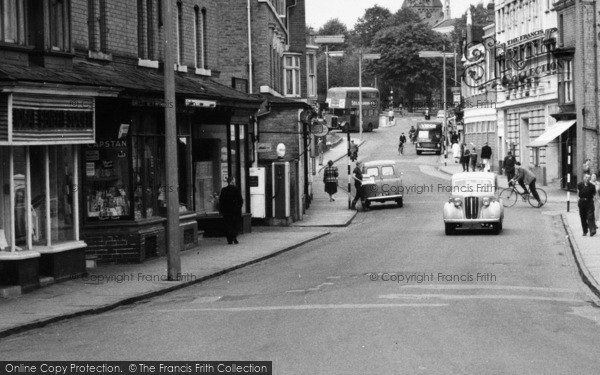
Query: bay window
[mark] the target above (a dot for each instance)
(291, 75)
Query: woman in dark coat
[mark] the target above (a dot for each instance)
(330, 176)
(230, 206)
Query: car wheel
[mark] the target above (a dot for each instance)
(419, 152)
(497, 227)
(400, 202)
(367, 204)
(449, 229)
(438, 152)
(370, 127)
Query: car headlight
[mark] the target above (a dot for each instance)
(486, 201)
(457, 202)
(418, 145)
(437, 145)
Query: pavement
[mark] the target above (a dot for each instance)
(585, 249)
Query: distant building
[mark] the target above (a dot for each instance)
(430, 11)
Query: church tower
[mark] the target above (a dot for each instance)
(430, 11)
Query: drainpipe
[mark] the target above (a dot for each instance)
(250, 80)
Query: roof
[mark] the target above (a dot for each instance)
(445, 23)
(123, 77)
(374, 163)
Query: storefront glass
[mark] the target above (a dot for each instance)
(210, 166)
(61, 193)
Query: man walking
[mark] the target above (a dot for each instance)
(509, 166)
(486, 155)
(360, 194)
(587, 190)
(230, 205)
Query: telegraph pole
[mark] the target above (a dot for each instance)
(172, 178)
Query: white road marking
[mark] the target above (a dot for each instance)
(493, 287)
(207, 299)
(308, 307)
(314, 289)
(478, 296)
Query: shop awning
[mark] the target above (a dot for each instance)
(552, 133)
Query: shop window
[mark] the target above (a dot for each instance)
(210, 166)
(292, 75)
(148, 165)
(37, 198)
(184, 164)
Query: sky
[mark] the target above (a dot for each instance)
(348, 11)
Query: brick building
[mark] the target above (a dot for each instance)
(82, 131)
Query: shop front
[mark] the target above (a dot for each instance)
(40, 141)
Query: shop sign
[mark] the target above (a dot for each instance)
(42, 119)
(263, 147)
(200, 103)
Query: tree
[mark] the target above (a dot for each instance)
(375, 19)
(404, 17)
(481, 16)
(400, 63)
(334, 27)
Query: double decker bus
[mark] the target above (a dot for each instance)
(343, 109)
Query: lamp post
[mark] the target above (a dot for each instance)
(327, 40)
(443, 55)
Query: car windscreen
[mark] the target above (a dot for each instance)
(429, 134)
(372, 171)
(387, 170)
(473, 186)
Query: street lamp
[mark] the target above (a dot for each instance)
(443, 55)
(327, 40)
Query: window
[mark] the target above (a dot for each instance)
(292, 75)
(561, 30)
(97, 28)
(200, 38)
(60, 33)
(13, 21)
(179, 31)
(147, 28)
(566, 83)
(312, 77)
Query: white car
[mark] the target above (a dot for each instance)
(473, 202)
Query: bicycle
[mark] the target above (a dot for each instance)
(509, 196)
(401, 149)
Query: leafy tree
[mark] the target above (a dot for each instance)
(400, 64)
(404, 17)
(334, 27)
(375, 19)
(481, 16)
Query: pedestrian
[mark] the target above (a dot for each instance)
(456, 152)
(330, 178)
(360, 194)
(594, 180)
(587, 191)
(230, 207)
(321, 148)
(401, 143)
(509, 166)
(353, 150)
(391, 116)
(486, 155)
(473, 157)
(586, 166)
(465, 158)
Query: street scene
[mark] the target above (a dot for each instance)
(409, 190)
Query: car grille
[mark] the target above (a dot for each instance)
(471, 207)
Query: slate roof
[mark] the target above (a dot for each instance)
(125, 78)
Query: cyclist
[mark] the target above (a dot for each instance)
(412, 133)
(402, 142)
(525, 176)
